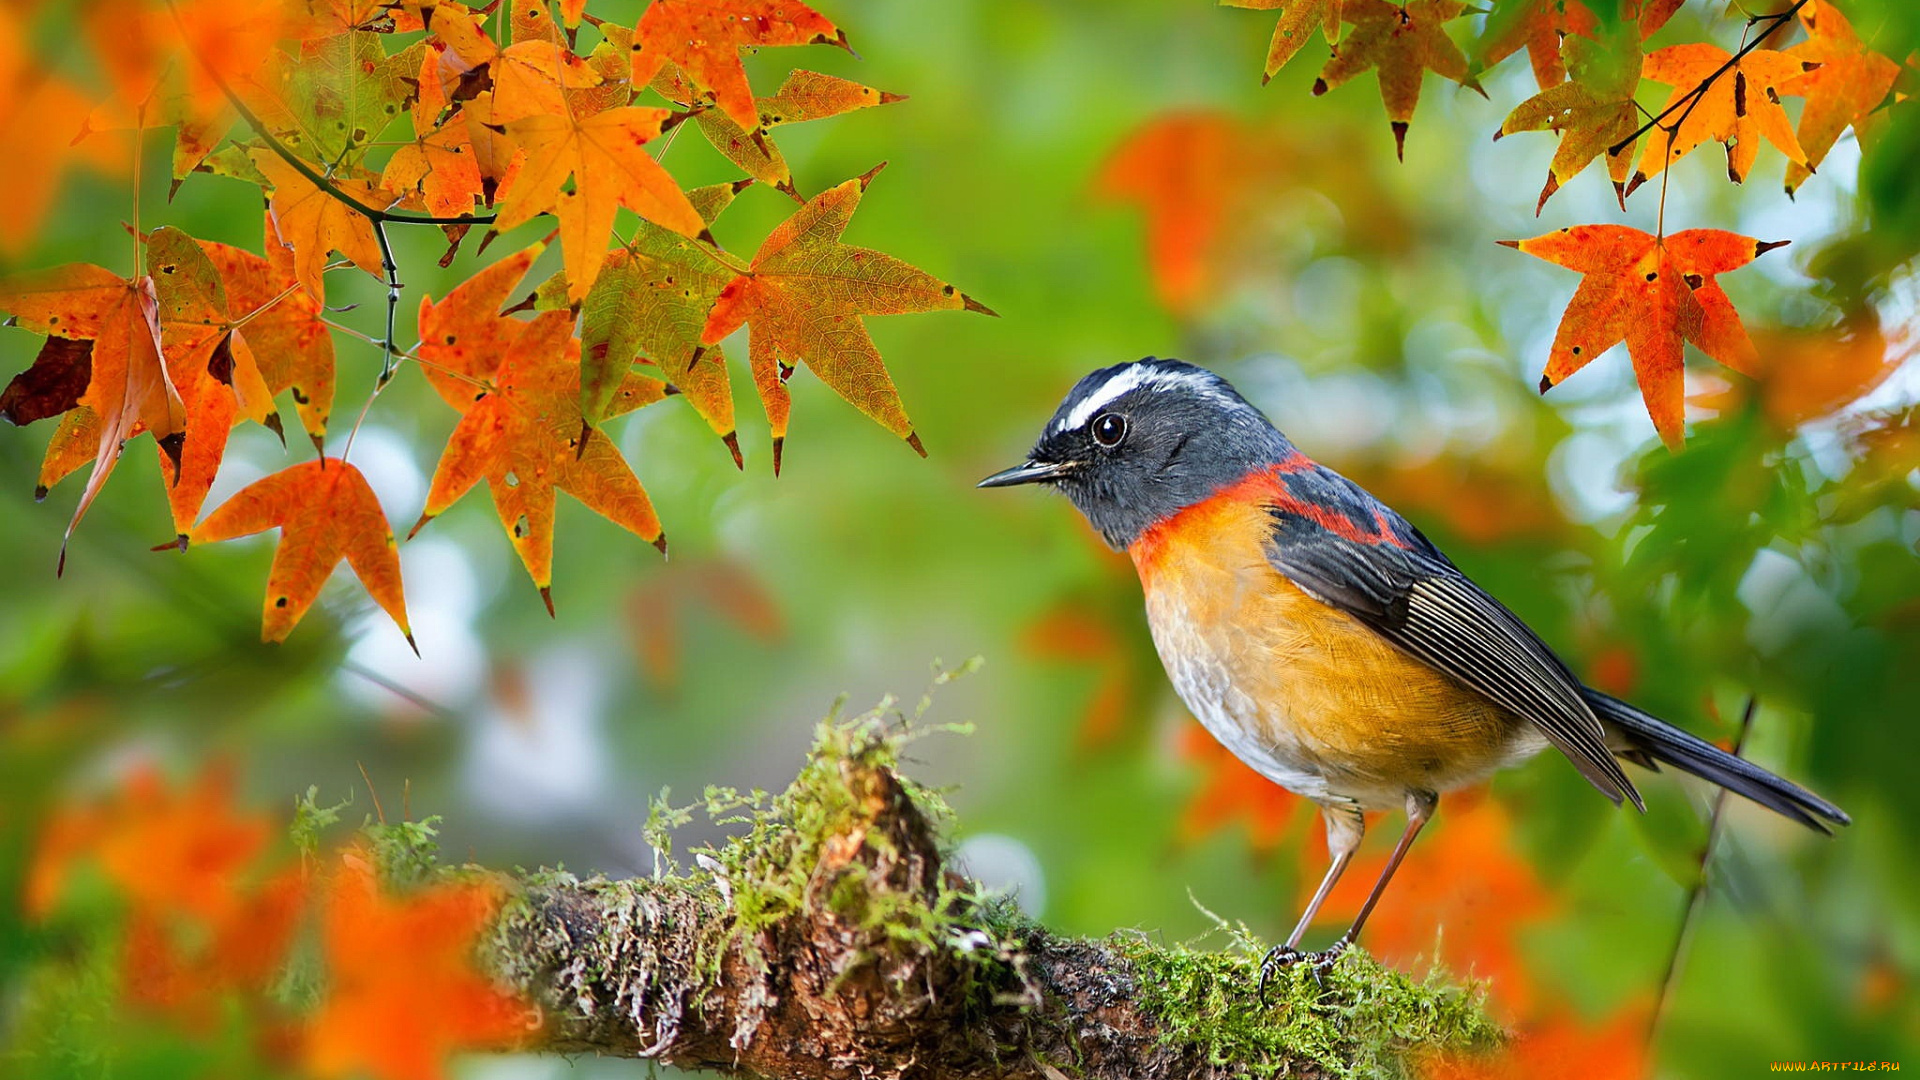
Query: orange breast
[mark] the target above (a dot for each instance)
(1305, 693)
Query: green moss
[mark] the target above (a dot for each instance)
(1359, 1020)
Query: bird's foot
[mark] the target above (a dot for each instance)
(1283, 956)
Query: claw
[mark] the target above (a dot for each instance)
(1320, 963)
(1277, 957)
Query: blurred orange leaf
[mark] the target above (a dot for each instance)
(1561, 1047)
(403, 991)
(1231, 792)
(1803, 375)
(1463, 890)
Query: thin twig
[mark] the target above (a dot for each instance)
(1697, 893)
(1732, 62)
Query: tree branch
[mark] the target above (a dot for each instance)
(831, 940)
(1693, 96)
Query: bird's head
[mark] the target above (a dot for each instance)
(1135, 443)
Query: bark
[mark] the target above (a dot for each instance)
(855, 953)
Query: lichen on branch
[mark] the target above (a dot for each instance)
(829, 938)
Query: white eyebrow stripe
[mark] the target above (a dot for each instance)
(1133, 378)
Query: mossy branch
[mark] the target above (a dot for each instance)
(831, 940)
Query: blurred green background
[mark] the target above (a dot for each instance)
(1366, 309)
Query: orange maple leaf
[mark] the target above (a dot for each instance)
(128, 389)
(403, 991)
(1540, 26)
(325, 512)
(292, 345)
(704, 37)
(210, 361)
(605, 154)
(528, 78)
(804, 297)
(1655, 294)
(1593, 113)
(463, 337)
(312, 222)
(438, 169)
(1298, 18)
(1401, 43)
(525, 436)
(1739, 108)
(1849, 84)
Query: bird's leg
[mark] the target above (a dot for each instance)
(1345, 828)
(1420, 807)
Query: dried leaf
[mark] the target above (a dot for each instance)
(1400, 44)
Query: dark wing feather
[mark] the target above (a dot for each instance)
(1403, 587)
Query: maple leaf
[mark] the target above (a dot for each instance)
(312, 222)
(403, 990)
(170, 852)
(325, 512)
(209, 359)
(292, 345)
(804, 297)
(1655, 294)
(1649, 15)
(704, 37)
(1593, 113)
(1297, 21)
(128, 388)
(528, 78)
(1739, 108)
(1850, 82)
(332, 103)
(524, 435)
(805, 95)
(605, 155)
(438, 168)
(1540, 26)
(652, 299)
(463, 337)
(1401, 43)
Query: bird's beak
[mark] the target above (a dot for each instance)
(1033, 472)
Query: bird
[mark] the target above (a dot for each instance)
(1322, 638)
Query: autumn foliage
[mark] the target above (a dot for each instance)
(357, 118)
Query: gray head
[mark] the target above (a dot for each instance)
(1134, 443)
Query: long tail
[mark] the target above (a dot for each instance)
(1660, 741)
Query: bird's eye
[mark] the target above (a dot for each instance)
(1109, 429)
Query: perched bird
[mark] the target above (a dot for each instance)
(1322, 638)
